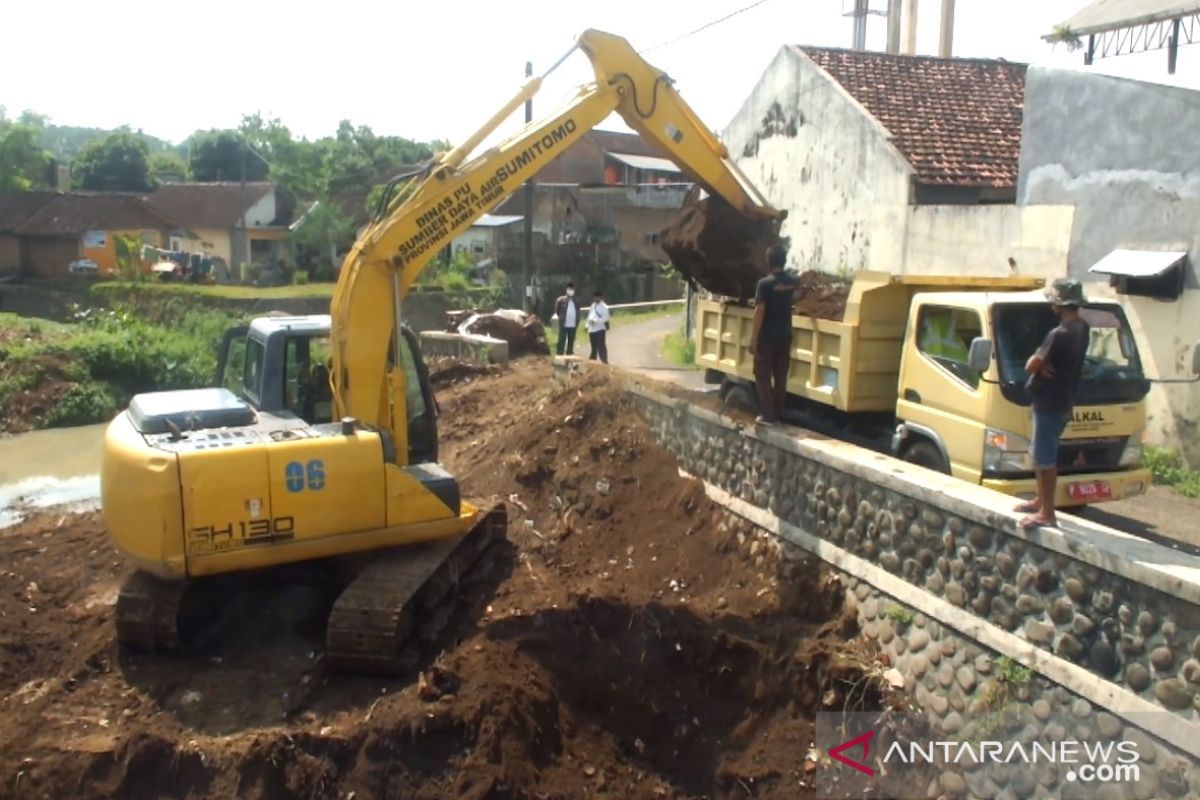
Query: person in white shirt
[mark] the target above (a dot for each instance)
(568, 311)
(597, 325)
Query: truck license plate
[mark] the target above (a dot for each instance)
(1088, 491)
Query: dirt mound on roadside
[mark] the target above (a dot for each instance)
(625, 644)
(715, 246)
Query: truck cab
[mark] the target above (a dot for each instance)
(962, 406)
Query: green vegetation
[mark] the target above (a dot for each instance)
(900, 616)
(1000, 696)
(680, 349)
(1012, 672)
(23, 163)
(622, 317)
(118, 162)
(110, 290)
(1169, 469)
(55, 375)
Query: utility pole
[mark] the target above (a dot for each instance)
(527, 287)
(245, 243)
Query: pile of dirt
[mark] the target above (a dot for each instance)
(821, 295)
(627, 643)
(446, 371)
(715, 246)
(523, 332)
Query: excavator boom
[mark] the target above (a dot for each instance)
(384, 263)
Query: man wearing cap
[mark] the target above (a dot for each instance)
(1053, 374)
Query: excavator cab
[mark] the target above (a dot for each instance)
(280, 365)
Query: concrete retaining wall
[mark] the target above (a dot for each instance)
(1108, 625)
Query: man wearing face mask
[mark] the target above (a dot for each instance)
(569, 312)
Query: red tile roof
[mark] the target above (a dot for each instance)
(208, 205)
(77, 212)
(16, 207)
(956, 120)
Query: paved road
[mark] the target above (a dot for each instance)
(637, 347)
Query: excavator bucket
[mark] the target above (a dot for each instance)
(717, 247)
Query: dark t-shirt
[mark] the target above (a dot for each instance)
(776, 293)
(1063, 350)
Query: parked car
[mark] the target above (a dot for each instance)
(83, 265)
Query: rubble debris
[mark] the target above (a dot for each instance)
(523, 332)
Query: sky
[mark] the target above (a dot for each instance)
(426, 70)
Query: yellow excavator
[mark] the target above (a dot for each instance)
(320, 440)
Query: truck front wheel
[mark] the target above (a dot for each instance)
(739, 396)
(924, 453)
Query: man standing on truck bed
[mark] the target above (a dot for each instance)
(1053, 373)
(770, 342)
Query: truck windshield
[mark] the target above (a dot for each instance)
(1112, 371)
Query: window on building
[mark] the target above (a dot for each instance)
(652, 238)
(944, 336)
(477, 248)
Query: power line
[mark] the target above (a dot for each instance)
(703, 27)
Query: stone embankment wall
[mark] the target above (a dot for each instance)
(1085, 631)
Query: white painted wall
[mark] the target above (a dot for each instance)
(978, 240)
(813, 150)
(261, 213)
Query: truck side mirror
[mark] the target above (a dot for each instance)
(1196, 360)
(979, 358)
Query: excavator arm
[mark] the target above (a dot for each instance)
(454, 192)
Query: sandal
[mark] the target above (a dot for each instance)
(1027, 507)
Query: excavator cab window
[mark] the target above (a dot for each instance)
(306, 391)
(418, 398)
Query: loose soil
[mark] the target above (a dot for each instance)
(715, 246)
(821, 295)
(626, 643)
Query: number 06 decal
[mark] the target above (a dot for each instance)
(299, 476)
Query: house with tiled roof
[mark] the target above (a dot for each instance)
(896, 162)
(238, 223)
(42, 233)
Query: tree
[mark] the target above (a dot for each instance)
(217, 155)
(166, 166)
(118, 162)
(322, 232)
(23, 163)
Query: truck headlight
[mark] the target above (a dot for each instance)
(1131, 456)
(1004, 451)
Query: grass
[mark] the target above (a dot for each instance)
(622, 317)
(1168, 469)
(900, 615)
(680, 349)
(231, 292)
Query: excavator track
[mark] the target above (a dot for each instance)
(400, 591)
(148, 612)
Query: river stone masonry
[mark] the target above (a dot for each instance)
(1122, 630)
(973, 693)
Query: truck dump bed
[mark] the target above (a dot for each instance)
(853, 364)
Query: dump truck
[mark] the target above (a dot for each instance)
(931, 369)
